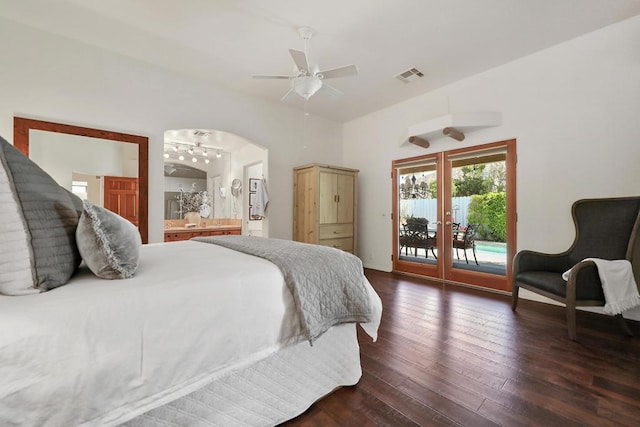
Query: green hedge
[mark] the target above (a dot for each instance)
(490, 211)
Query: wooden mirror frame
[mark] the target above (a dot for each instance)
(22, 126)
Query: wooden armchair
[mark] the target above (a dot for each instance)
(605, 228)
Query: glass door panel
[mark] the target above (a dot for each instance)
(417, 207)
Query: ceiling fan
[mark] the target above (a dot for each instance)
(307, 79)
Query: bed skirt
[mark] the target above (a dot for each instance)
(270, 391)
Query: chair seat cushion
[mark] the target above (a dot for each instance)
(554, 283)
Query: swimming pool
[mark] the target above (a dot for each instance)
(493, 247)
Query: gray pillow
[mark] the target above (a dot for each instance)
(38, 221)
(108, 243)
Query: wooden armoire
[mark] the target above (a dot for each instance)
(324, 206)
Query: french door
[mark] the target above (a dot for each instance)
(455, 215)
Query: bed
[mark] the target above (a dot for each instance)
(193, 333)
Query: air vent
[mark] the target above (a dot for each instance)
(201, 133)
(410, 75)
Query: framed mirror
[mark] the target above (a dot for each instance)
(120, 190)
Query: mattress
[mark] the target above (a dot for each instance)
(99, 352)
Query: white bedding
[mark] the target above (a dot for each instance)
(192, 312)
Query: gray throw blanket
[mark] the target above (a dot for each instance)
(328, 285)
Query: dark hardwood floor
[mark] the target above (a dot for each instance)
(449, 355)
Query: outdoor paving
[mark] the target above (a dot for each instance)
(486, 258)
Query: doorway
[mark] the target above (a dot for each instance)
(253, 175)
(455, 215)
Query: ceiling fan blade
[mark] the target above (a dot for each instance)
(344, 71)
(330, 90)
(258, 76)
(300, 59)
(288, 94)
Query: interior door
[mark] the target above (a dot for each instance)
(467, 199)
(121, 196)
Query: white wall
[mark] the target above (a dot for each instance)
(48, 77)
(574, 110)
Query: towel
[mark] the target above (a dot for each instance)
(261, 201)
(619, 286)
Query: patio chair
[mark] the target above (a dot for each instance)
(605, 228)
(417, 236)
(404, 239)
(465, 240)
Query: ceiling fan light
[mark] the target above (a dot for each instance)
(194, 160)
(307, 86)
(206, 161)
(180, 157)
(218, 154)
(166, 155)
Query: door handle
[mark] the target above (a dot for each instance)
(448, 222)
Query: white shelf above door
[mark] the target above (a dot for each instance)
(462, 122)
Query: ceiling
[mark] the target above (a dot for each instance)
(227, 41)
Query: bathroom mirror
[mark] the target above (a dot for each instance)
(111, 166)
(199, 160)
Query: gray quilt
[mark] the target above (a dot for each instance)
(328, 285)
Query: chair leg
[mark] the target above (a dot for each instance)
(623, 325)
(457, 254)
(571, 321)
(514, 297)
(434, 254)
(474, 254)
(465, 256)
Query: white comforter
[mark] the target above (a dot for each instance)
(99, 352)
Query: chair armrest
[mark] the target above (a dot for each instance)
(584, 275)
(538, 261)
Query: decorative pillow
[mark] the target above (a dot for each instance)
(38, 220)
(108, 243)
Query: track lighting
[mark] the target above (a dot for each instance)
(195, 153)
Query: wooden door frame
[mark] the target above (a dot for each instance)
(429, 270)
(487, 280)
(444, 270)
